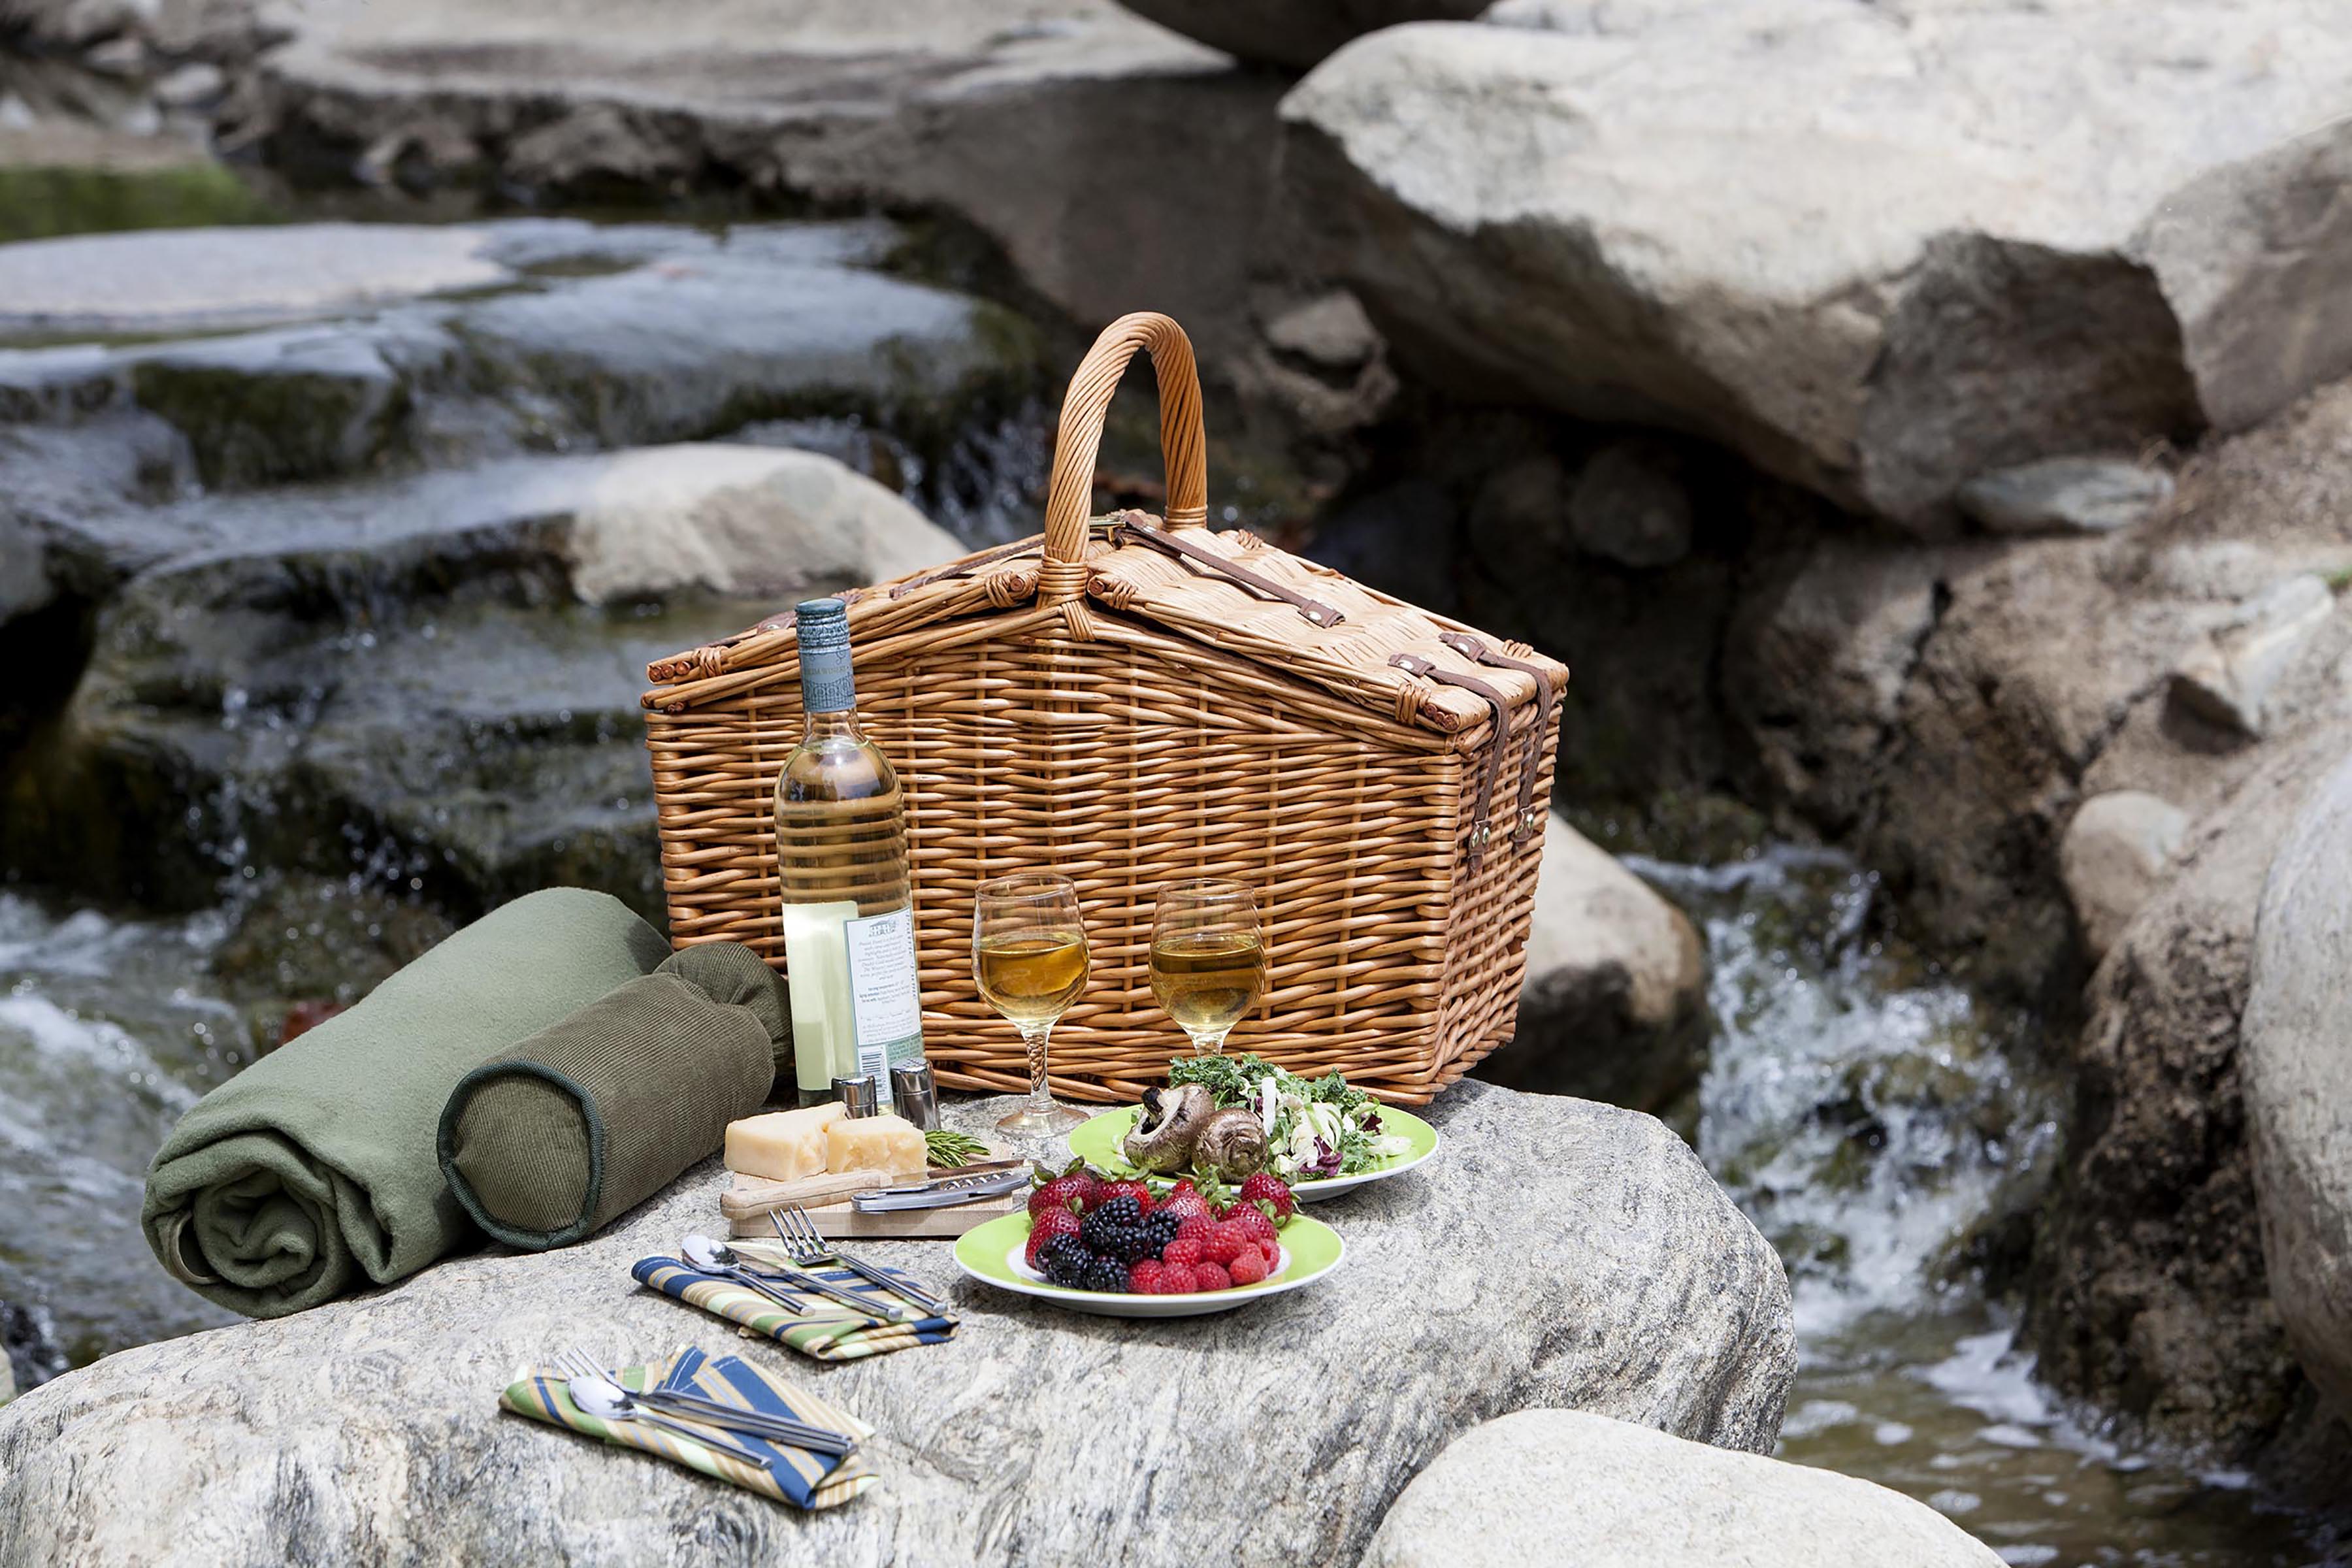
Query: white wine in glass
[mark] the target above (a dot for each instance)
(1208, 962)
(1029, 954)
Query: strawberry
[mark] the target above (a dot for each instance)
(1182, 1253)
(1073, 1190)
(1209, 1277)
(1125, 1188)
(1046, 1225)
(1184, 1201)
(1249, 1268)
(1266, 1189)
(1143, 1279)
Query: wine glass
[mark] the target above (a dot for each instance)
(1208, 962)
(1029, 954)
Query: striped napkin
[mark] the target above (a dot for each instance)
(793, 1475)
(825, 1330)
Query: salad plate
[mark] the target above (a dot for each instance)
(1098, 1143)
(991, 1254)
(1321, 1136)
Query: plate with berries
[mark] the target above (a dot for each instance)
(1125, 1247)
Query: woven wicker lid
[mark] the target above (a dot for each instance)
(1231, 592)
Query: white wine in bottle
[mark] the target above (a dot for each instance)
(840, 854)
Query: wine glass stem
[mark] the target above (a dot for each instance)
(1033, 1040)
(1209, 1044)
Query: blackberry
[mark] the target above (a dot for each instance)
(1160, 1228)
(1063, 1261)
(1116, 1229)
(1105, 1274)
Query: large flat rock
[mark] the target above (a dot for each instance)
(173, 279)
(1880, 248)
(1557, 1254)
(435, 679)
(991, 110)
(2298, 1083)
(579, 335)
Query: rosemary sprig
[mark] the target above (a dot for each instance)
(942, 1147)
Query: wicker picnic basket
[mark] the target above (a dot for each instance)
(1129, 701)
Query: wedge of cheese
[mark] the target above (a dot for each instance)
(783, 1145)
(887, 1143)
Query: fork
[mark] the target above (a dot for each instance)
(807, 1249)
(578, 1363)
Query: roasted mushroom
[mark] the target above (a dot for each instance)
(1166, 1126)
(1231, 1144)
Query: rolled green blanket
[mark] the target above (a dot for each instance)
(594, 1114)
(314, 1170)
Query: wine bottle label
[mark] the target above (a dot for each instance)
(884, 1000)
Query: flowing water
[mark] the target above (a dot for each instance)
(1871, 1116)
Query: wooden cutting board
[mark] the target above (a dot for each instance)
(748, 1200)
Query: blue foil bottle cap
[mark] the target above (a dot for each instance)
(821, 627)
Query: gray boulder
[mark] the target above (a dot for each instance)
(1613, 1006)
(2116, 854)
(1599, 1493)
(2065, 495)
(2298, 1083)
(1033, 1436)
(1294, 33)
(2227, 674)
(1878, 248)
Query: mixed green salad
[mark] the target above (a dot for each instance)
(1314, 1128)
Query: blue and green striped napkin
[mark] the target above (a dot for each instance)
(793, 1475)
(825, 1330)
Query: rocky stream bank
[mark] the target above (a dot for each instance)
(1951, 488)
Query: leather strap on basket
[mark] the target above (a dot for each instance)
(1132, 529)
(1183, 448)
(1481, 821)
(1471, 649)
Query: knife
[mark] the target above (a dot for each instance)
(941, 1194)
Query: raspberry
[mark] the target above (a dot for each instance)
(1249, 1268)
(1143, 1279)
(1226, 1245)
(1182, 1253)
(1250, 1223)
(1196, 1227)
(1209, 1277)
(1272, 1254)
(1175, 1280)
(1106, 1191)
(1044, 1228)
(1075, 1185)
(1265, 1187)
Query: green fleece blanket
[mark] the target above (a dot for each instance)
(313, 1171)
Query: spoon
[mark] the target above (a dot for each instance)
(713, 1256)
(598, 1394)
(596, 1397)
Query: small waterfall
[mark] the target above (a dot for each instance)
(1871, 1116)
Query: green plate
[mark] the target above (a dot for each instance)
(991, 1253)
(1098, 1143)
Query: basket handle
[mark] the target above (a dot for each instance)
(1183, 447)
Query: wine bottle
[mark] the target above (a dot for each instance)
(848, 901)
